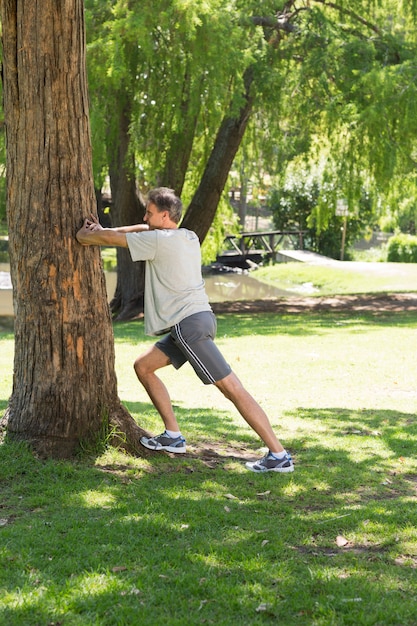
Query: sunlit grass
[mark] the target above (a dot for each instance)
(124, 540)
(346, 278)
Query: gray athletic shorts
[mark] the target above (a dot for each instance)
(192, 340)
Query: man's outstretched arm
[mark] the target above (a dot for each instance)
(93, 234)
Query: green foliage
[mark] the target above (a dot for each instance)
(407, 215)
(175, 63)
(348, 101)
(402, 248)
(292, 204)
(307, 201)
(224, 223)
(109, 259)
(340, 85)
(398, 209)
(338, 89)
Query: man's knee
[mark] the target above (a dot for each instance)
(142, 367)
(149, 362)
(230, 386)
(138, 367)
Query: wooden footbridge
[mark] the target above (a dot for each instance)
(251, 248)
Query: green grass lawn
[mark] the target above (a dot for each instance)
(119, 540)
(341, 278)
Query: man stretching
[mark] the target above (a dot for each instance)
(178, 310)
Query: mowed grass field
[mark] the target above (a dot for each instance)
(111, 539)
(336, 278)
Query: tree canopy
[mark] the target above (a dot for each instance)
(349, 101)
(331, 81)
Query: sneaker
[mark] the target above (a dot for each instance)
(165, 442)
(270, 464)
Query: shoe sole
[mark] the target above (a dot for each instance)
(280, 470)
(173, 449)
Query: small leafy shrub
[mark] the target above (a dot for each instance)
(402, 248)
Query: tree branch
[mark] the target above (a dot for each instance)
(351, 14)
(280, 22)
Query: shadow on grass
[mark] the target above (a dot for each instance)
(308, 323)
(206, 426)
(397, 430)
(361, 462)
(121, 541)
(6, 327)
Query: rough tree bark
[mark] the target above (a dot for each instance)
(64, 384)
(203, 206)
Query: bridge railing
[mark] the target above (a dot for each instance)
(267, 241)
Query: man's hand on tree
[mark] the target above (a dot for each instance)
(91, 225)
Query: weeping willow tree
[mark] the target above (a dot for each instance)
(349, 106)
(161, 97)
(175, 86)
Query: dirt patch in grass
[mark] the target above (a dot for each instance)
(375, 303)
(369, 550)
(217, 454)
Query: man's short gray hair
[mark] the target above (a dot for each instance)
(165, 200)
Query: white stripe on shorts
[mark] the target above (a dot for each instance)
(192, 354)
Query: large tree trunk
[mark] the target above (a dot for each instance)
(127, 209)
(64, 384)
(203, 206)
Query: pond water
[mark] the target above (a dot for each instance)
(220, 288)
(224, 287)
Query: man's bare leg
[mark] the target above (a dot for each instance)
(250, 410)
(145, 367)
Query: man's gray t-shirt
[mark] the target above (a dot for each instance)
(174, 286)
